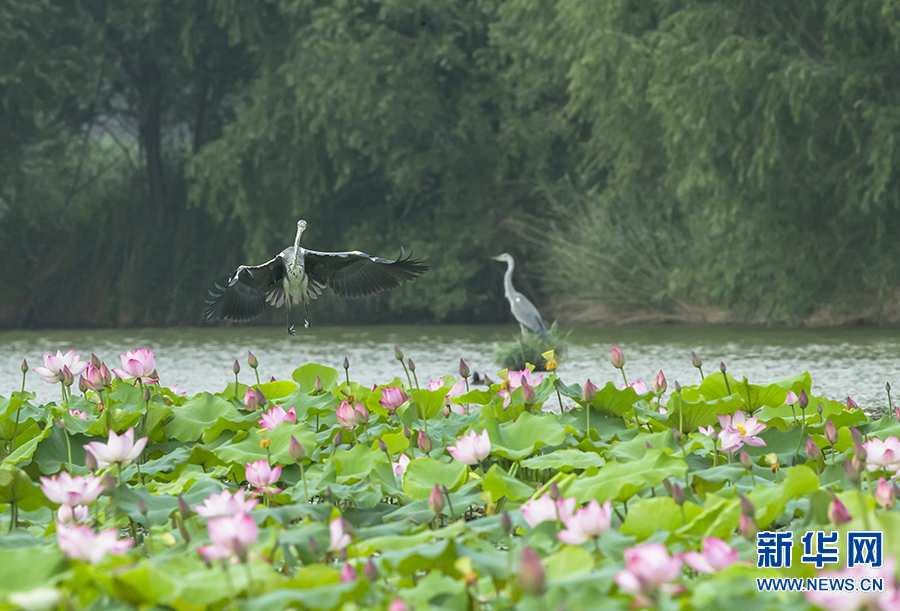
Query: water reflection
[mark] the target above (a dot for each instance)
(845, 361)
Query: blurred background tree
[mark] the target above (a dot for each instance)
(643, 160)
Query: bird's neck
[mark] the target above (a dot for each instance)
(507, 279)
(297, 254)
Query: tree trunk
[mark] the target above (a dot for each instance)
(150, 89)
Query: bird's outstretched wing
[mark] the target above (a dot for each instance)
(356, 274)
(244, 295)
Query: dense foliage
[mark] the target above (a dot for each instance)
(316, 492)
(647, 157)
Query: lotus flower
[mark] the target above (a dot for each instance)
(78, 414)
(254, 399)
(587, 522)
(660, 384)
(225, 504)
(263, 477)
(118, 450)
(276, 416)
(716, 556)
(532, 576)
(348, 573)
(647, 569)
(848, 599)
(471, 448)
(457, 389)
(838, 513)
(72, 491)
(339, 540)
(139, 365)
(738, 430)
(53, 366)
(346, 416)
(639, 387)
(401, 464)
(231, 536)
(616, 357)
(517, 377)
(97, 378)
(392, 398)
(884, 493)
(545, 509)
(588, 391)
(882, 454)
(73, 515)
(81, 543)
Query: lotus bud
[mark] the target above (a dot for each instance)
(142, 507)
(411, 365)
(791, 398)
(105, 375)
(398, 605)
(370, 570)
(318, 387)
(296, 450)
(90, 461)
(527, 393)
(82, 384)
(251, 360)
(506, 524)
(95, 360)
(338, 439)
(362, 413)
(860, 453)
(424, 442)
(346, 363)
(748, 528)
(554, 491)
(649, 445)
(60, 424)
(183, 508)
(398, 354)
(382, 445)
(676, 435)
(659, 384)
(884, 493)
(812, 449)
(251, 400)
(407, 433)
(896, 488)
(838, 513)
(831, 434)
(746, 461)
(722, 366)
(236, 368)
(445, 411)
(348, 573)
(803, 399)
(747, 507)
(852, 472)
(819, 409)
(488, 382)
(855, 435)
(532, 577)
(109, 482)
(677, 387)
(24, 367)
(588, 392)
(668, 486)
(436, 500)
(887, 386)
(67, 377)
(463, 369)
(678, 494)
(695, 360)
(146, 394)
(851, 404)
(616, 357)
(313, 546)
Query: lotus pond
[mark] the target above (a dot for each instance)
(317, 492)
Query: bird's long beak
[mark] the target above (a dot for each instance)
(497, 258)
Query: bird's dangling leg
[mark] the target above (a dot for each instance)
(306, 315)
(290, 327)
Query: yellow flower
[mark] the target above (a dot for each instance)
(550, 358)
(265, 443)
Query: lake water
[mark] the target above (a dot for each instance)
(843, 361)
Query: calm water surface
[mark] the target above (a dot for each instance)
(843, 361)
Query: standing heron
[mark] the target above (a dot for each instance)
(296, 276)
(524, 311)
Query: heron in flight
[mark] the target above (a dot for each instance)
(524, 311)
(297, 275)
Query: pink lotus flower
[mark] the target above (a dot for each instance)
(648, 568)
(517, 377)
(225, 504)
(339, 540)
(882, 454)
(263, 477)
(884, 493)
(708, 431)
(254, 399)
(589, 391)
(73, 515)
(847, 600)
(118, 450)
(72, 491)
(471, 448)
(392, 398)
(457, 389)
(81, 543)
(639, 387)
(231, 536)
(838, 513)
(545, 509)
(53, 366)
(346, 416)
(616, 357)
(716, 556)
(276, 416)
(590, 521)
(78, 414)
(659, 384)
(791, 398)
(738, 430)
(348, 573)
(139, 365)
(401, 464)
